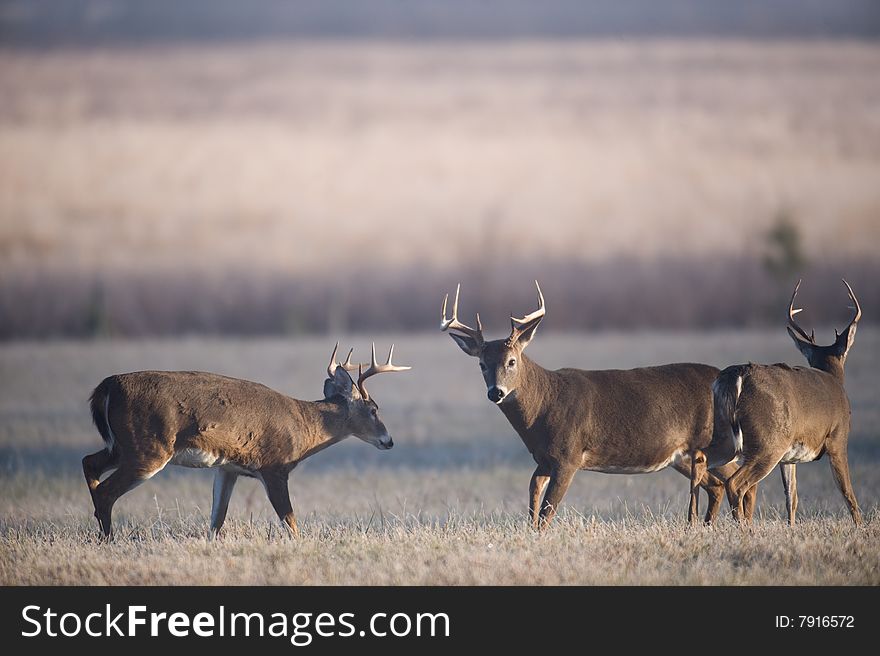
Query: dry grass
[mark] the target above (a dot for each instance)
(447, 505)
(281, 156)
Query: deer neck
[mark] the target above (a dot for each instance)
(327, 424)
(527, 403)
(833, 367)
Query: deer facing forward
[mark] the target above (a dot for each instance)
(615, 421)
(150, 419)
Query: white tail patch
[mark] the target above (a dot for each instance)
(112, 442)
(738, 435)
(738, 441)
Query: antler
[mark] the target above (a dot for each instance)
(855, 306)
(455, 324)
(518, 326)
(792, 323)
(376, 368)
(348, 365)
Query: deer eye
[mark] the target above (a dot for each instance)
(482, 367)
(374, 412)
(511, 362)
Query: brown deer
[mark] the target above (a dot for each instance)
(150, 419)
(615, 421)
(769, 414)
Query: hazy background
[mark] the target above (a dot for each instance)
(232, 186)
(263, 168)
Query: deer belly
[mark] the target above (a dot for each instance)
(593, 464)
(193, 457)
(800, 453)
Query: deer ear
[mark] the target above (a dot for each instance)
(844, 341)
(467, 344)
(528, 333)
(804, 347)
(341, 384)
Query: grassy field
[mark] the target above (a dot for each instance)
(447, 505)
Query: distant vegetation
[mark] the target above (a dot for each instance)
(269, 189)
(626, 293)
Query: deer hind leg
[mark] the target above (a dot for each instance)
(536, 490)
(224, 482)
(750, 500)
(789, 483)
(94, 465)
(560, 479)
(745, 479)
(124, 479)
(276, 489)
(840, 469)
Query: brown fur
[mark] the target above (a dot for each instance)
(246, 428)
(627, 421)
(787, 415)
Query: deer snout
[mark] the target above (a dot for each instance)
(496, 394)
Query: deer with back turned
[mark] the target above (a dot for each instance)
(777, 414)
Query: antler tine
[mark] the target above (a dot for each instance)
(792, 311)
(518, 326)
(540, 312)
(454, 324)
(348, 365)
(855, 304)
(331, 368)
(376, 368)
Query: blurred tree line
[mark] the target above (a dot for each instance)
(619, 294)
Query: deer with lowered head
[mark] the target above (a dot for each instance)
(613, 421)
(150, 419)
(777, 414)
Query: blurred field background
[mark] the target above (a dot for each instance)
(232, 186)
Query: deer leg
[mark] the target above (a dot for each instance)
(789, 483)
(276, 489)
(560, 479)
(94, 466)
(750, 499)
(713, 482)
(224, 482)
(840, 469)
(123, 480)
(743, 480)
(536, 490)
(698, 473)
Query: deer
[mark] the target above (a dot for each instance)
(150, 419)
(778, 414)
(613, 421)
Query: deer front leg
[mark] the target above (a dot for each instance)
(789, 482)
(698, 472)
(560, 479)
(840, 469)
(536, 490)
(224, 482)
(275, 483)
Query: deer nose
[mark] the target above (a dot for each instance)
(496, 394)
